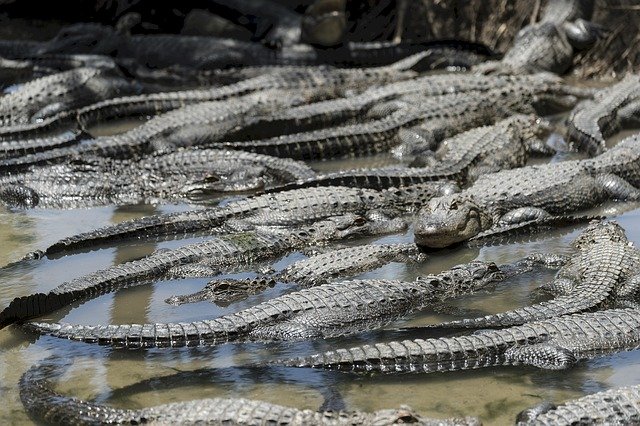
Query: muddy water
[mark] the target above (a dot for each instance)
(131, 379)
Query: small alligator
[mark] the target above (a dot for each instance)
(614, 406)
(329, 310)
(612, 108)
(604, 272)
(45, 404)
(554, 344)
(287, 208)
(530, 193)
(180, 175)
(226, 253)
(549, 45)
(504, 145)
(316, 270)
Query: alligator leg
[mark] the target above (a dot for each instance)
(530, 414)
(582, 34)
(629, 115)
(630, 290)
(523, 214)
(545, 260)
(17, 195)
(559, 286)
(547, 355)
(618, 188)
(538, 147)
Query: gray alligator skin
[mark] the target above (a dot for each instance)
(225, 253)
(530, 193)
(329, 310)
(550, 44)
(555, 343)
(504, 145)
(175, 176)
(619, 406)
(46, 405)
(604, 271)
(288, 208)
(613, 107)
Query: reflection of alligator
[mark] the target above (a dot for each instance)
(174, 176)
(615, 406)
(529, 193)
(464, 157)
(555, 343)
(612, 107)
(605, 270)
(287, 208)
(225, 253)
(42, 402)
(328, 310)
(549, 45)
(316, 270)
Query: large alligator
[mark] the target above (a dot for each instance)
(181, 175)
(614, 406)
(555, 343)
(316, 270)
(329, 310)
(516, 196)
(287, 208)
(605, 271)
(51, 407)
(550, 44)
(613, 107)
(504, 145)
(226, 253)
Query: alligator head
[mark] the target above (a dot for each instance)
(349, 225)
(600, 232)
(448, 220)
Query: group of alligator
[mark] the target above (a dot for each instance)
(247, 117)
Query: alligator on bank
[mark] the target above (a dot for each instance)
(613, 406)
(228, 252)
(530, 193)
(45, 404)
(182, 175)
(612, 108)
(329, 310)
(555, 343)
(316, 270)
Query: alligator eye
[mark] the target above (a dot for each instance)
(453, 206)
(359, 221)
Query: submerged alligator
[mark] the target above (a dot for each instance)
(604, 272)
(613, 107)
(225, 253)
(614, 406)
(531, 193)
(329, 310)
(45, 404)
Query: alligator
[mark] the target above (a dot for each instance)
(226, 253)
(439, 117)
(554, 344)
(530, 193)
(612, 108)
(181, 175)
(550, 44)
(316, 270)
(51, 407)
(604, 272)
(325, 311)
(463, 158)
(287, 208)
(614, 406)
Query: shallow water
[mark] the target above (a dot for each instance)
(496, 395)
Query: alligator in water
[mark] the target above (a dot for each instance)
(226, 253)
(316, 270)
(281, 209)
(329, 310)
(504, 145)
(530, 193)
(604, 272)
(614, 406)
(550, 44)
(51, 407)
(555, 343)
(182, 175)
(613, 107)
